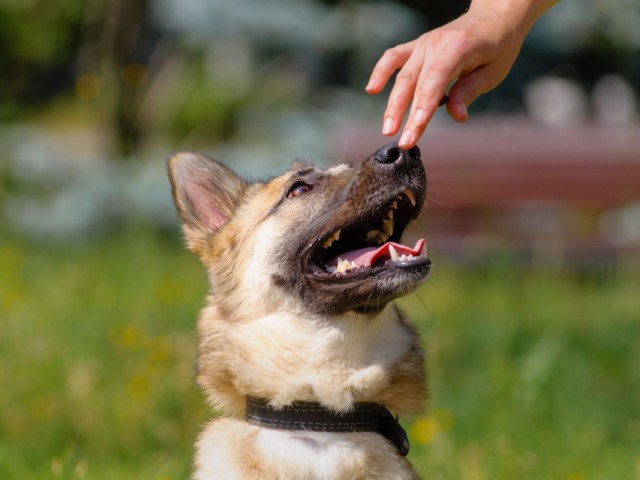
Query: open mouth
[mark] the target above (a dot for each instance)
(371, 244)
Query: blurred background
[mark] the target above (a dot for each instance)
(532, 314)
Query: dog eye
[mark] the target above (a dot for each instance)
(298, 189)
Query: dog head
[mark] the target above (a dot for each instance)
(311, 240)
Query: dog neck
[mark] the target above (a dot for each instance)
(311, 416)
(333, 361)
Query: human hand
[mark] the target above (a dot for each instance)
(475, 51)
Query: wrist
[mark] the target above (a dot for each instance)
(520, 15)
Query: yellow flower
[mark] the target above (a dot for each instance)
(428, 427)
(576, 476)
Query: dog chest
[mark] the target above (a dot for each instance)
(336, 361)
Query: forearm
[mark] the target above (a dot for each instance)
(520, 14)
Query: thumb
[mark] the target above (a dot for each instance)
(469, 87)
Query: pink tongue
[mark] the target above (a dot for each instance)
(367, 256)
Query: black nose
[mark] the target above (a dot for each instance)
(391, 153)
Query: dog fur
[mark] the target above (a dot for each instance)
(272, 329)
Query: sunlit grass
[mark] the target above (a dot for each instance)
(97, 350)
(534, 374)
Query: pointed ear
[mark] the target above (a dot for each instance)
(206, 194)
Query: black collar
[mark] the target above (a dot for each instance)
(311, 416)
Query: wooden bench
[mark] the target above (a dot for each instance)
(508, 184)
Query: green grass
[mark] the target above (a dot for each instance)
(534, 374)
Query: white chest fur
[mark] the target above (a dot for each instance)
(230, 449)
(337, 361)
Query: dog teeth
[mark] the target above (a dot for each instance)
(387, 226)
(340, 266)
(343, 266)
(394, 205)
(412, 198)
(407, 257)
(335, 236)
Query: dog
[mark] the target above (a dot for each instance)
(300, 347)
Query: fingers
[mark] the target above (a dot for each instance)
(425, 72)
(438, 71)
(471, 86)
(457, 109)
(476, 51)
(391, 60)
(401, 95)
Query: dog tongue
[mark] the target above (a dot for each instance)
(367, 256)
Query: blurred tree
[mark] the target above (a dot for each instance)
(39, 40)
(113, 58)
(254, 56)
(100, 47)
(180, 66)
(438, 12)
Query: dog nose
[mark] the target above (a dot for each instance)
(391, 153)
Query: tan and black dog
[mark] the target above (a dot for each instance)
(299, 345)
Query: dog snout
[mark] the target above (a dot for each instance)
(391, 154)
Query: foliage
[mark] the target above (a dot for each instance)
(196, 71)
(38, 41)
(533, 372)
(46, 197)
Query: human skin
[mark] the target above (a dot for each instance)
(475, 52)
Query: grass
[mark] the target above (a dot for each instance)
(535, 374)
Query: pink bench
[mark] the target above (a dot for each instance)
(502, 183)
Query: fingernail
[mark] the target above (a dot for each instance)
(461, 112)
(419, 117)
(406, 138)
(371, 84)
(387, 127)
(465, 112)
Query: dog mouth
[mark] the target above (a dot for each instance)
(371, 244)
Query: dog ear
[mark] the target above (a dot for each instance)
(206, 194)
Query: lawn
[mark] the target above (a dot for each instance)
(535, 374)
